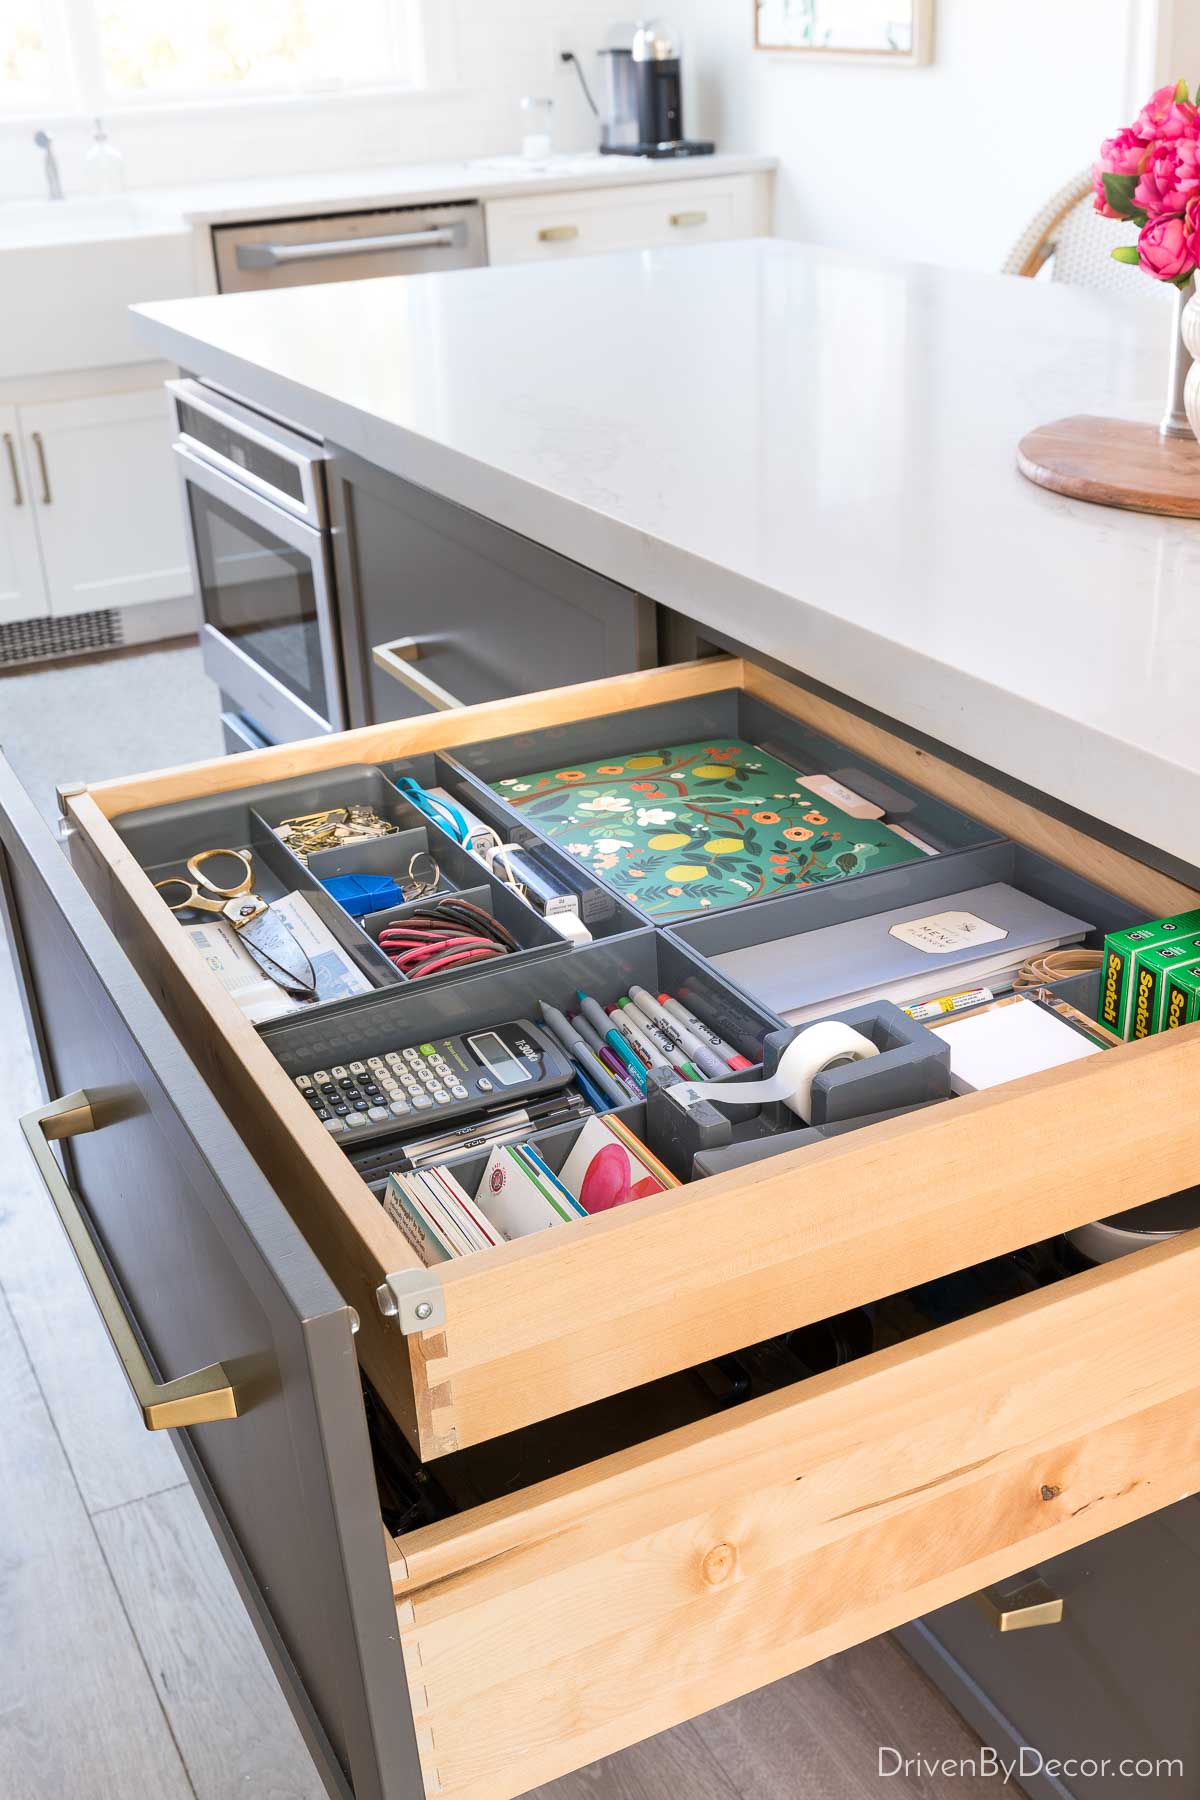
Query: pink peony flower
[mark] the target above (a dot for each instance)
(1170, 176)
(1191, 228)
(1122, 154)
(1165, 248)
(1163, 116)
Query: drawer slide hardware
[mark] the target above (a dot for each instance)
(1021, 1603)
(196, 1399)
(413, 1299)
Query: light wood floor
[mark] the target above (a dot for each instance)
(128, 1670)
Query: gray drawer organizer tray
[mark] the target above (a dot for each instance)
(627, 949)
(163, 837)
(909, 884)
(718, 718)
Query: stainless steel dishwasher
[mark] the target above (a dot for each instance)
(399, 240)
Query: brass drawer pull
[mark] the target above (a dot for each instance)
(39, 446)
(394, 659)
(557, 234)
(14, 470)
(689, 218)
(1020, 1603)
(196, 1399)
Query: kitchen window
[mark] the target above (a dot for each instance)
(85, 56)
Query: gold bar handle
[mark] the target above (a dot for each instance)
(39, 446)
(1020, 1603)
(196, 1399)
(18, 498)
(689, 218)
(396, 658)
(557, 234)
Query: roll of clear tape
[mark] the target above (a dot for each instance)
(827, 1045)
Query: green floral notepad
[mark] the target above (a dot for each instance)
(700, 825)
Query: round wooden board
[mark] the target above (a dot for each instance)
(1115, 462)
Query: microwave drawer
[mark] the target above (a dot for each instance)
(535, 1328)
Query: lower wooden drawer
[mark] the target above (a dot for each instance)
(553, 1627)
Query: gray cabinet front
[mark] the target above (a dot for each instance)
(1116, 1682)
(483, 612)
(199, 1265)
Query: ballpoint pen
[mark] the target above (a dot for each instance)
(483, 1140)
(448, 1142)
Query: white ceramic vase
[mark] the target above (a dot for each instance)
(1189, 331)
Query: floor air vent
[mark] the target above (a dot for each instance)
(35, 640)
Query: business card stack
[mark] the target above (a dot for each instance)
(520, 1193)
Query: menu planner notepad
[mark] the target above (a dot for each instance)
(980, 935)
(707, 825)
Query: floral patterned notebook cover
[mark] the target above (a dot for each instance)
(700, 825)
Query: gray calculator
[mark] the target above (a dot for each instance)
(448, 1078)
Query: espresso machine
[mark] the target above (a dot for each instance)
(643, 97)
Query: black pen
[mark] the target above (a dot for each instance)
(483, 1140)
(498, 1121)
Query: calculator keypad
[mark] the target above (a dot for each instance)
(381, 1094)
(383, 1089)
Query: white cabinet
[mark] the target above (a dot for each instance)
(536, 227)
(22, 585)
(105, 500)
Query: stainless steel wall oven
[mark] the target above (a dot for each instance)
(255, 500)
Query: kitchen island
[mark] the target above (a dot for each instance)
(491, 1640)
(804, 452)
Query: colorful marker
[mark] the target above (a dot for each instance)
(705, 1032)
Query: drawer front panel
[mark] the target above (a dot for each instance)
(554, 226)
(1116, 1677)
(547, 1630)
(209, 1268)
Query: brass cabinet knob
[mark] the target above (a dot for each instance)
(1021, 1602)
(557, 234)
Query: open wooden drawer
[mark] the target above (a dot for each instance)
(551, 1322)
(567, 1619)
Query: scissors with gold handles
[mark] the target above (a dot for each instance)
(264, 935)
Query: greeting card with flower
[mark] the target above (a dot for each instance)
(698, 826)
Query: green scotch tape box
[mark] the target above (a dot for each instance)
(1181, 1003)
(1154, 970)
(1123, 951)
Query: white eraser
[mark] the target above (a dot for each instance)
(570, 926)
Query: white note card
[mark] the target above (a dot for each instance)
(988, 1048)
(939, 932)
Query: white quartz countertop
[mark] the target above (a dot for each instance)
(80, 219)
(811, 452)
